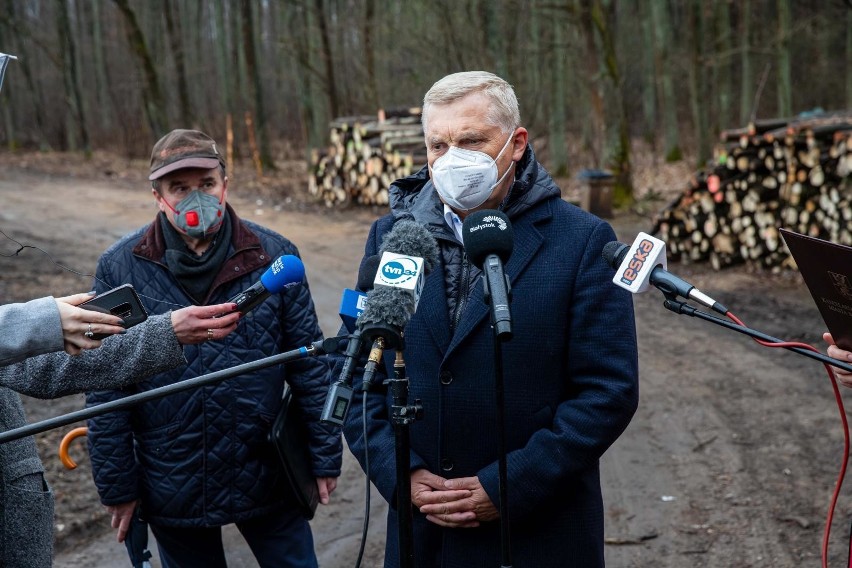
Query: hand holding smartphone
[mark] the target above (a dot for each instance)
(122, 302)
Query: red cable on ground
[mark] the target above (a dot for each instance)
(842, 475)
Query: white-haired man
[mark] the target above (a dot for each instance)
(570, 370)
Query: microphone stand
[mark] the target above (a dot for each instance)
(502, 332)
(402, 415)
(683, 308)
(330, 345)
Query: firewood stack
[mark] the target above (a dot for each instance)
(365, 155)
(795, 174)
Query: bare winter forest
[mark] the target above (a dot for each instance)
(731, 458)
(590, 74)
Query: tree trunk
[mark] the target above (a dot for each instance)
(668, 105)
(101, 80)
(723, 85)
(341, 47)
(785, 35)
(328, 62)
(747, 102)
(697, 81)
(556, 116)
(536, 68)
(176, 43)
(509, 32)
(311, 115)
(849, 57)
(11, 140)
(450, 37)
(256, 86)
(649, 89)
(243, 96)
(23, 50)
(5, 105)
(618, 139)
(492, 11)
(76, 112)
(596, 132)
(373, 97)
(226, 66)
(152, 96)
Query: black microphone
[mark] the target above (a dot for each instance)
(387, 313)
(646, 265)
(488, 241)
(285, 271)
(353, 303)
(367, 272)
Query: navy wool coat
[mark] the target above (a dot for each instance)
(570, 373)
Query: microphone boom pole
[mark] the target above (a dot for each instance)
(316, 348)
(683, 308)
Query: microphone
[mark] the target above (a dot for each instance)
(388, 308)
(353, 301)
(340, 392)
(409, 252)
(488, 241)
(285, 271)
(644, 263)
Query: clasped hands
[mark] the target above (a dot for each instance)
(452, 503)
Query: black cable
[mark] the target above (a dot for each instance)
(22, 246)
(367, 476)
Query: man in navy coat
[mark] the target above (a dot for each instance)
(200, 459)
(570, 370)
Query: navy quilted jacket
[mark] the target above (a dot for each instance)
(570, 372)
(201, 457)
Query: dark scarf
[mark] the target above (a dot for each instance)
(196, 273)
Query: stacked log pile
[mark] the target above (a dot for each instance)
(795, 174)
(365, 155)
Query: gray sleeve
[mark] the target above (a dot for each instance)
(29, 329)
(146, 349)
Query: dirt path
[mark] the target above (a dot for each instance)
(730, 460)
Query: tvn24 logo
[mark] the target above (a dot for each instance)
(399, 270)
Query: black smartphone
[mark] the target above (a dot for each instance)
(122, 302)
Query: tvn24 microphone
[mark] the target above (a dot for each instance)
(644, 263)
(408, 252)
(287, 270)
(488, 241)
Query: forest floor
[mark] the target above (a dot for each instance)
(730, 460)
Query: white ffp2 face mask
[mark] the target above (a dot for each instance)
(465, 179)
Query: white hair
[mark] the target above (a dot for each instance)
(502, 112)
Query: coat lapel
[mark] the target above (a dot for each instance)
(433, 307)
(528, 239)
